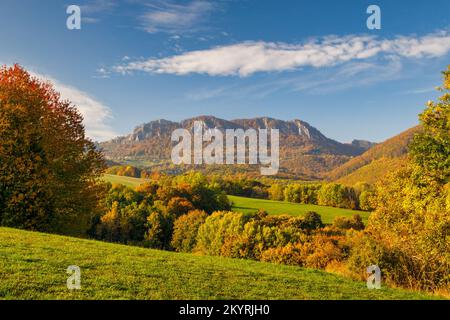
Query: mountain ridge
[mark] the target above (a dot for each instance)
(304, 150)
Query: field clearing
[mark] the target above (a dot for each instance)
(127, 181)
(243, 204)
(33, 266)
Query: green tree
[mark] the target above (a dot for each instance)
(337, 195)
(276, 192)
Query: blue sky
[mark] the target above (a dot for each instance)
(139, 60)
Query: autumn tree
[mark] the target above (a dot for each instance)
(160, 229)
(49, 170)
(185, 230)
(179, 206)
(276, 192)
(408, 234)
(430, 149)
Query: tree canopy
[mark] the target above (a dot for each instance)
(49, 169)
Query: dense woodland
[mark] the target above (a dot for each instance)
(50, 181)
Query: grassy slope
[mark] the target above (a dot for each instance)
(395, 147)
(372, 172)
(33, 266)
(128, 181)
(280, 207)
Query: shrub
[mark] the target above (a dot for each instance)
(317, 252)
(185, 230)
(366, 200)
(312, 221)
(343, 223)
(291, 254)
(217, 228)
(276, 192)
(322, 251)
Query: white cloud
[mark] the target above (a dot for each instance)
(246, 58)
(169, 17)
(91, 11)
(96, 115)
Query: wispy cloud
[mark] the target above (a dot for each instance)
(324, 81)
(209, 93)
(90, 12)
(98, 6)
(89, 20)
(246, 58)
(420, 90)
(175, 18)
(96, 115)
(102, 73)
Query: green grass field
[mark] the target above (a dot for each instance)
(127, 181)
(33, 266)
(281, 207)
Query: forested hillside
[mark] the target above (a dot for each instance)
(375, 162)
(304, 151)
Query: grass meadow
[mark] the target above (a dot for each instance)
(328, 214)
(33, 266)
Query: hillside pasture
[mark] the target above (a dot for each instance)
(33, 266)
(242, 204)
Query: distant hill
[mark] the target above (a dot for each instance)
(304, 151)
(375, 162)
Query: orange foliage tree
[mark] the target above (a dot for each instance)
(48, 168)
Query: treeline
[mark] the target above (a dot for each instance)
(190, 214)
(336, 195)
(129, 171)
(324, 194)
